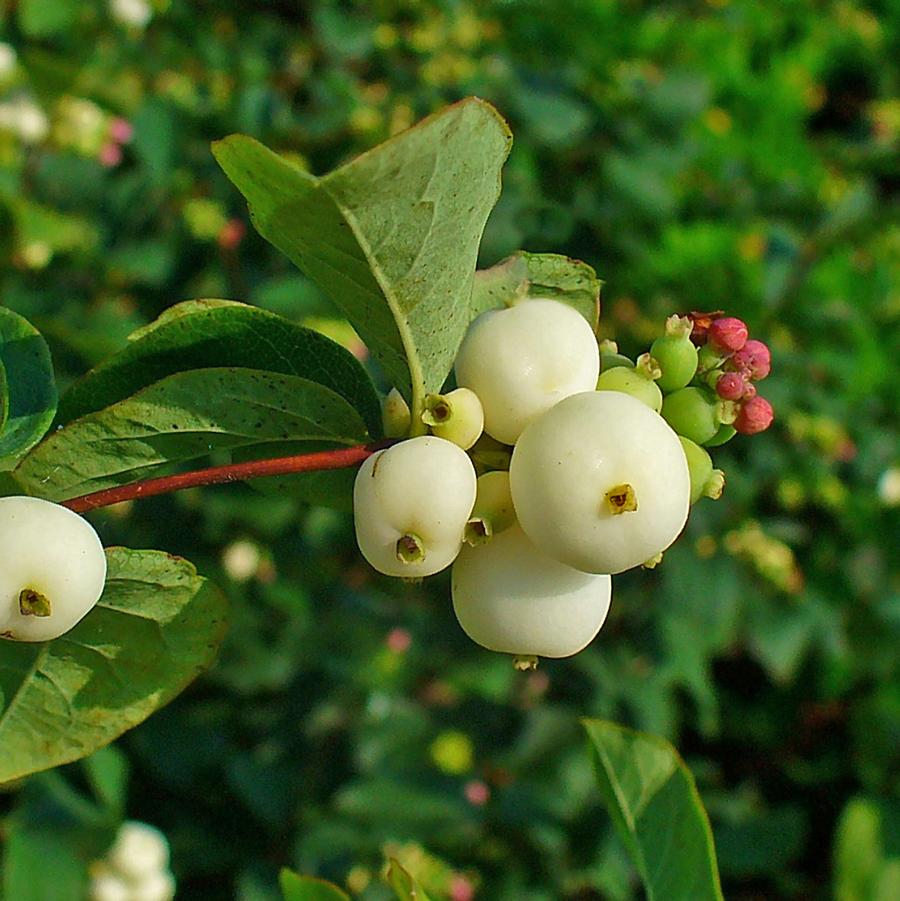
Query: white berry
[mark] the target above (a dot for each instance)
(52, 569)
(139, 851)
(158, 886)
(522, 360)
(600, 482)
(511, 597)
(107, 886)
(411, 503)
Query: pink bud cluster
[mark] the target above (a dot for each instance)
(120, 132)
(743, 361)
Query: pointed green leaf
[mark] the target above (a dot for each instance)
(392, 236)
(405, 887)
(652, 799)
(199, 334)
(30, 390)
(156, 627)
(308, 888)
(183, 417)
(4, 398)
(538, 275)
(860, 853)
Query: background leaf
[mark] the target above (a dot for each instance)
(30, 387)
(392, 236)
(183, 417)
(538, 275)
(308, 888)
(653, 801)
(156, 627)
(199, 334)
(404, 886)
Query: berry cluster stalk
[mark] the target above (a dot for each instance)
(232, 472)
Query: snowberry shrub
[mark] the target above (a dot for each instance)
(52, 569)
(600, 482)
(522, 360)
(411, 503)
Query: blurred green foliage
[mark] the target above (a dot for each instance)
(734, 154)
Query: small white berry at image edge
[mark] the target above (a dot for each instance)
(52, 569)
(139, 851)
(510, 597)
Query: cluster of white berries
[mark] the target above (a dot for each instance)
(53, 572)
(576, 484)
(136, 867)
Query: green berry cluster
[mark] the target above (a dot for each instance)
(701, 376)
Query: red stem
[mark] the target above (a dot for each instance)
(233, 472)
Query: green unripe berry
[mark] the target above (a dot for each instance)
(675, 354)
(693, 413)
(610, 357)
(726, 433)
(456, 416)
(493, 511)
(700, 467)
(488, 453)
(638, 382)
(708, 359)
(395, 415)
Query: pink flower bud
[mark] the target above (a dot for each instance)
(749, 390)
(398, 640)
(232, 234)
(730, 386)
(110, 155)
(754, 356)
(701, 323)
(477, 793)
(461, 889)
(121, 130)
(755, 415)
(727, 334)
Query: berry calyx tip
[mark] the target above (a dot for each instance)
(410, 549)
(525, 662)
(621, 499)
(33, 603)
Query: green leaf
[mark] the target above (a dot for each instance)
(40, 862)
(859, 850)
(654, 804)
(183, 417)
(156, 628)
(308, 888)
(107, 772)
(392, 237)
(38, 18)
(199, 334)
(30, 395)
(538, 275)
(4, 398)
(404, 886)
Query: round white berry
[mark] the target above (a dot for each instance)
(158, 886)
(107, 886)
(511, 597)
(411, 503)
(52, 569)
(600, 482)
(522, 360)
(139, 851)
